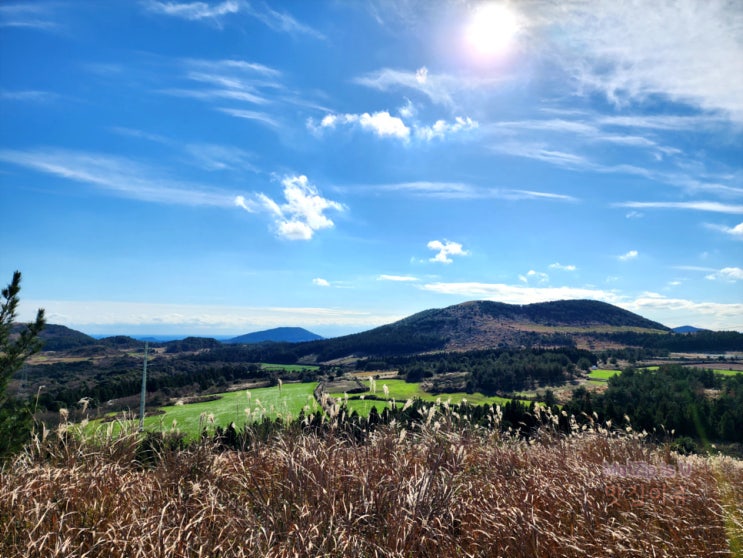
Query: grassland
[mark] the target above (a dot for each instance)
(239, 407)
(288, 367)
(428, 492)
(602, 375)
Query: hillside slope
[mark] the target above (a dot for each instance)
(486, 324)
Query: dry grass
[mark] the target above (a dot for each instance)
(438, 491)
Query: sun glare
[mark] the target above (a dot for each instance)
(491, 30)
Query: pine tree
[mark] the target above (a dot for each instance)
(15, 348)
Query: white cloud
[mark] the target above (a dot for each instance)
(631, 255)
(538, 276)
(398, 278)
(282, 21)
(383, 124)
(558, 265)
(29, 95)
(711, 206)
(194, 11)
(727, 274)
(736, 232)
(441, 89)
(32, 15)
(688, 50)
(446, 249)
(301, 215)
(118, 175)
(250, 115)
(442, 128)
(634, 215)
(105, 316)
(320, 282)
(458, 190)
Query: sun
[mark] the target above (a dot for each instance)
(491, 30)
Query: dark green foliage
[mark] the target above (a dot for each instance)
(61, 338)
(673, 397)
(191, 344)
(499, 370)
(700, 341)
(15, 347)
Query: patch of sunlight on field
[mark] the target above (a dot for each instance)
(603, 375)
(286, 401)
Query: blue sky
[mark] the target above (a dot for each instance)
(227, 166)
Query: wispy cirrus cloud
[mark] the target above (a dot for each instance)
(215, 12)
(31, 15)
(257, 116)
(117, 175)
(688, 51)
(28, 95)
(282, 21)
(710, 206)
(193, 11)
(440, 88)
(397, 278)
(301, 215)
(458, 190)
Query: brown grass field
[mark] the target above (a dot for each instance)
(437, 491)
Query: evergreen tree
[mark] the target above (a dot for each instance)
(15, 348)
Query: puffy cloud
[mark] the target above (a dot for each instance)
(383, 124)
(301, 215)
(442, 128)
(728, 274)
(736, 232)
(631, 255)
(446, 249)
(320, 282)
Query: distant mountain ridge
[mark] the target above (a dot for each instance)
(276, 335)
(486, 324)
(688, 329)
(465, 326)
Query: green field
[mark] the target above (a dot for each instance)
(728, 372)
(288, 367)
(400, 391)
(603, 375)
(232, 406)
